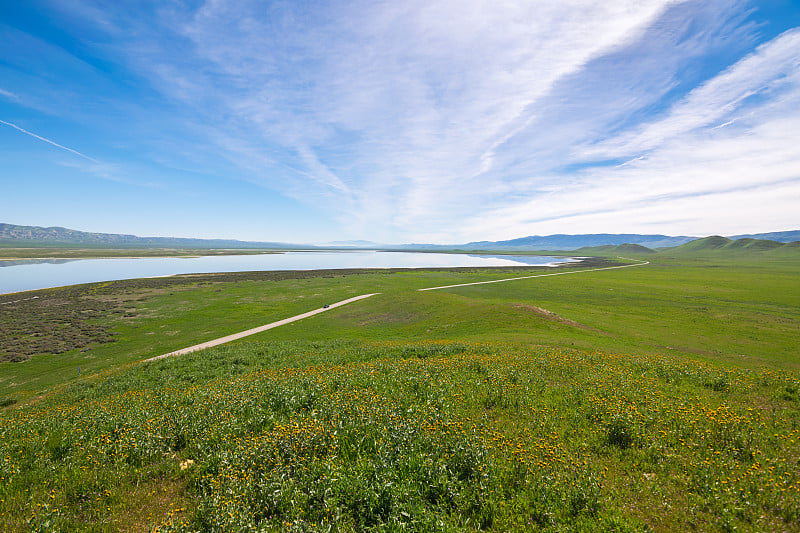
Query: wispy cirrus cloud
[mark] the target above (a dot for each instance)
(449, 121)
(757, 84)
(396, 107)
(692, 172)
(9, 95)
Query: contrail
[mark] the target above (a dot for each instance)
(49, 141)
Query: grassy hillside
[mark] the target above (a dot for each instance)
(662, 397)
(354, 436)
(746, 247)
(755, 244)
(790, 249)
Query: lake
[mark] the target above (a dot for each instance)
(33, 274)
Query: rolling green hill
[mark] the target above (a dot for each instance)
(723, 246)
(754, 244)
(715, 242)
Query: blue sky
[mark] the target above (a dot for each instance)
(413, 121)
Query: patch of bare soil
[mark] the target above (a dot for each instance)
(549, 315)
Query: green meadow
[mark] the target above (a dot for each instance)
(662, 397)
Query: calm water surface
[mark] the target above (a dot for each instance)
(42, 273)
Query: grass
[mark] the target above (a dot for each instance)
(663, 398)
(744, 313)
(347, 435)
(70, 328)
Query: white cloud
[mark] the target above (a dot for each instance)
(773, 67)
(447, 121)
(9, 95)
(755, 209)
(695, 175)
(396, 107)
(108, 171)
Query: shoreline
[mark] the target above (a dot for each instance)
(592, 262)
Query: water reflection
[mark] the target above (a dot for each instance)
(21, 262)
(535, 260)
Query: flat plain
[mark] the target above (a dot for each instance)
(664, 397)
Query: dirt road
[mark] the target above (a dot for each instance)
(236, 336)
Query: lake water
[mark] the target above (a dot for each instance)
(33, 274)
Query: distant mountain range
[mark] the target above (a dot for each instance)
(573, 242)
(13, 235)
(779, 236)
(562, 242)
(707, 246)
